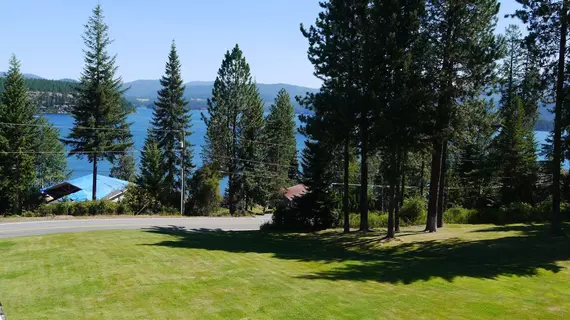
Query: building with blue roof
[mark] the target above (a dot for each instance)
(81, 189)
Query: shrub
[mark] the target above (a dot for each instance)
(516, 212)
(80, 209)
(44, 210)
(62, 208)
(205, 190)
(306, 213)
(460, 215)
(169, 211)
(124, 209)
(413, 210)
(141, 201)
(376, 220)
(29, 214)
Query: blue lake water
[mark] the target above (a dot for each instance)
(141, 120)
(140, 123)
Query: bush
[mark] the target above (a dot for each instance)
(413, 211)
(62, 208)
(141, 201)
(124, 209)
(515, 213)
(376, 220)
(44, 210)
(459, 215)
(307, 213)
(29, 214)
(205, 190)
(80, 209)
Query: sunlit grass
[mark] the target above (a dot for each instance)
(469, 272)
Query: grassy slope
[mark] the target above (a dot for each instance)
(460, 273)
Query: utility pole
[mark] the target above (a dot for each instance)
(182, 173)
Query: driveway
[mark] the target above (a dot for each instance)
(32, 228)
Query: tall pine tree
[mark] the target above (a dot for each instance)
(51, 165)
(124, 166)
(463, 50)
(171, 128)
(151, 177)
(100, 129)
(547, 23)
(18, 142)
(335, 50)
(280, 142)
(234, 99)
(515, 146)
(252, 150)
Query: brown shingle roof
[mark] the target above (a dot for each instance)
(295, 191)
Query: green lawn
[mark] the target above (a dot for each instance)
(468, 272)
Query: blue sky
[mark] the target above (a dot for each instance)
(46, 36)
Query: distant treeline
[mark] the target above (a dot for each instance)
(44, 85)
(55, 96)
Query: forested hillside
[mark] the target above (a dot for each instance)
(144, 93)
(54, 96)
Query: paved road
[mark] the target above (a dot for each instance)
(31, 228)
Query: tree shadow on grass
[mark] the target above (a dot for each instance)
(521, 253)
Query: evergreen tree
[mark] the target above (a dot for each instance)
(462, 50)
(51, 165)
(294, 173)
(335, 50)
(124, 166)
(151, 177)
(281, 152)
(473, 172)
(100, 129)
(516, 155)
(19, 133)
(171, 124)
(234, 100)
(252, 182)
(547, 23)
(515, 147)
(205, 192)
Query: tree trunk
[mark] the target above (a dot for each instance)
(391, 208)
(233, 166)
(364, 179)
(397, 206)
(422, 178)
(445, 102)
(431, 224)
(556, 158)
(441, 199)
(345, 194)
(400, 200)
(231, 193)
(94, 194)
(18, 207)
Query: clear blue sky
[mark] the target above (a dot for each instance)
(46, 36)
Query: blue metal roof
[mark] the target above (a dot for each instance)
(105, 186)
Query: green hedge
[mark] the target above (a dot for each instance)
(379, 220)
(513, 213)
(413, 210)
(90, 208)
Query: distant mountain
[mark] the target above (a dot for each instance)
(68, 80)
(26, 75)
(144, 92)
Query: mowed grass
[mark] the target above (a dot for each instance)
(462, 272)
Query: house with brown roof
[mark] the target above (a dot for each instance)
(293, 192)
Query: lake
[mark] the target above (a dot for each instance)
(141, 120)
(140, 123)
